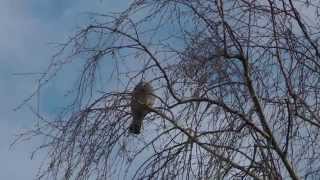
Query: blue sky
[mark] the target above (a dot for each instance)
(27, 29)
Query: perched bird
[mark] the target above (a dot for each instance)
(142, 98)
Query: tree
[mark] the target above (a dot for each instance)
(236, 85)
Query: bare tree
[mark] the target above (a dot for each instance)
(236, 84)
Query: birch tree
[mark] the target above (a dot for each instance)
(236, 86)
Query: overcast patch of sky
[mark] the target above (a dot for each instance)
(26, 29)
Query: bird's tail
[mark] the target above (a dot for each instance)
(135, 126)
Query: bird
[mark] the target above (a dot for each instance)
(142, 98)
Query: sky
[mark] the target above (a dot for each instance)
(28, 29)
